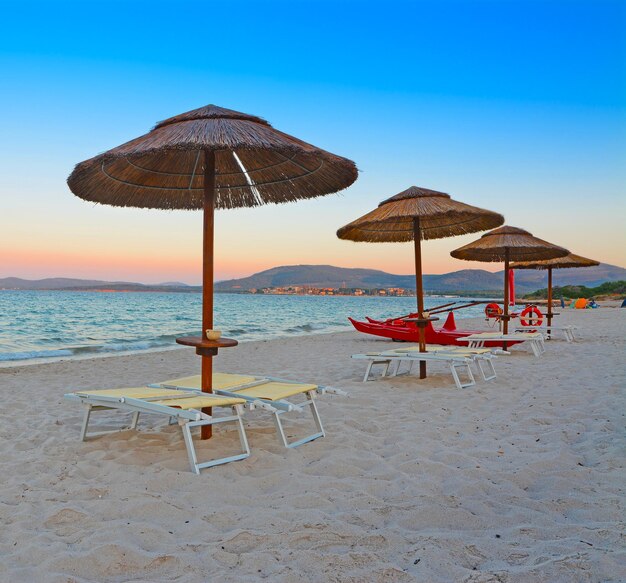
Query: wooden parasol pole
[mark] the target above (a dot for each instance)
(207, 276)
(549, 317)
(505, 327)
(419, 291)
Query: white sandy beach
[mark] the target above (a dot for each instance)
(520, 479)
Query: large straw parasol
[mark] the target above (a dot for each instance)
(508, 244)
(210, 158)
(416, 214)
(568, 261)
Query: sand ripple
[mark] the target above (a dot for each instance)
(518, 480)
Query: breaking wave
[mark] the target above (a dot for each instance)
(48, 325)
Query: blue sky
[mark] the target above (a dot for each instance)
(516, 106)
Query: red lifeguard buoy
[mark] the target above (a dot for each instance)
(493, 311)
(533, 320)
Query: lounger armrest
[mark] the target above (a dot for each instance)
(331, 391)
(297, 407)
(258, 404)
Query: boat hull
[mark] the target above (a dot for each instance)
(409, 332)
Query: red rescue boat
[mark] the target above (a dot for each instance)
(398, 329)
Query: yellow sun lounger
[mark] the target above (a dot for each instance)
(184, 406)
(264, 393)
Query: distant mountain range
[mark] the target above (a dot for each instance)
(464, 281)
(69, 284)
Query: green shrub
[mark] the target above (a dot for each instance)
(581, 291)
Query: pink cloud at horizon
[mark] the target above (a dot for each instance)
(40, 264)
(36, 264)
(126, 244)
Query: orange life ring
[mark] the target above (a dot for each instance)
(533, 320)
(493, 311)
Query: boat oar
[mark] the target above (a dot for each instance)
(457, 308)
(414, 314)
(442, 306)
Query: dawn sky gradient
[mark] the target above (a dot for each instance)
(514, 106)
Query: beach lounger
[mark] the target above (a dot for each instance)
(455, 362)
(568, 331)
(534, 339)
(482, 357)
(184, 406)
(266, 393)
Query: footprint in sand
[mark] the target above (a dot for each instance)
(66, 522)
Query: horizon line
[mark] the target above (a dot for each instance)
(173, 283)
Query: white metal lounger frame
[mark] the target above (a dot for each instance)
(453, 362)
(279, 407)
(479, 359)
(386, 362)
(455, 365)
(486, 359)
(568, 331)
(537, 343)
(187, 419)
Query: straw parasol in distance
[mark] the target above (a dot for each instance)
(210, 158)
(508, 244)
(568, 261)
(416, 214)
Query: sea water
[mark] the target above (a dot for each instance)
(36, 325)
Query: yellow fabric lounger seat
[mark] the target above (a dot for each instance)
(134, 392)
(263, 393)
(185, 406)
(201, 402)
(275, 391)
(221, 380)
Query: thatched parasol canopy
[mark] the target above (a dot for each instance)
(569, 261)
(210, 158)
(508, 243)
(416, 214)
(439, 216)
(254, 164)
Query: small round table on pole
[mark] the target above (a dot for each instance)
(504, 325)
(421, 323)
(206, 347)
(549, 315)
